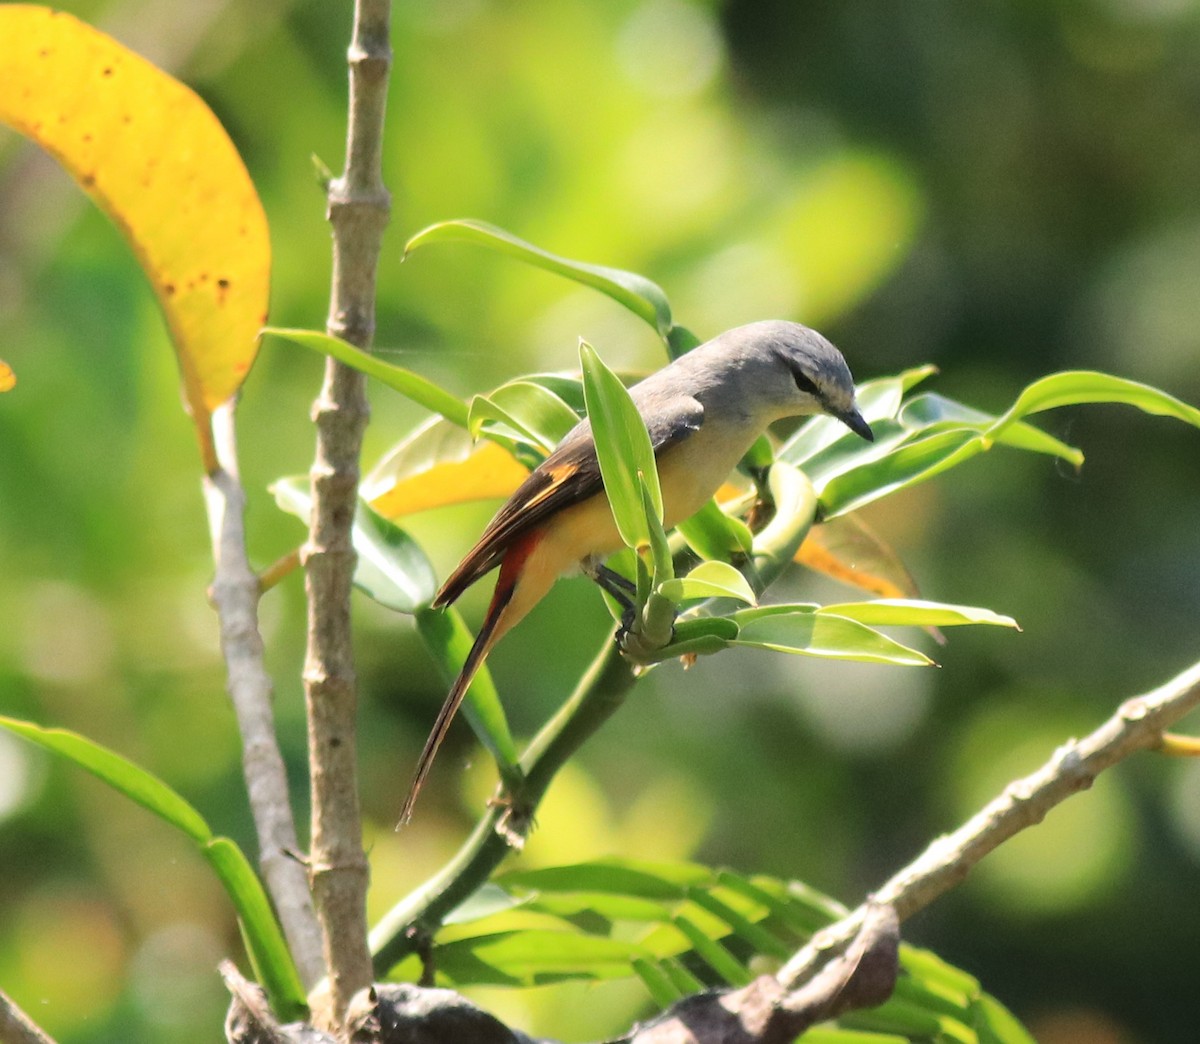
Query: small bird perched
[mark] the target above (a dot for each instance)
(703, 411)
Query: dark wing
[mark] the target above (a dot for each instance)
(570, 475)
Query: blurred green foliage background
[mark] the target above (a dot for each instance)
(1003, 189)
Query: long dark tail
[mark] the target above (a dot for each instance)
(483, 644)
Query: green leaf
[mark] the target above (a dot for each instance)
(537, 956)
(908, 612)
(412, 385)
(264, 942)
(898, 469)
(997, 1025)
(714, 954)
(660, 550)
(808, 633)
(932, 410)
(622, 446)
(392, 569)
(637, 293)
(1074, 387)
(118, 772)
(658, 983)
(533, 408)
(448, 640)
(709, 580)
(712, 534)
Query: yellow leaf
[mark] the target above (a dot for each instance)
(156, 160)
(8, 379)
(487, 472)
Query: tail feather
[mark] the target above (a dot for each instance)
(479, 650)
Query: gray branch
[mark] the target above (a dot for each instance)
(358, 212)
(16, 1027)
(1139, 724)
(235, 596)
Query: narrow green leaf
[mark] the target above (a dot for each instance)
(412, 385)
(908, 612)
(392, 569)
(623, 447)
(826, 636)
(637, 293)
(709, 580)
(658, 984)
(119, 773)
(924, 412)
(825, 1034)
(997, 1025)
(1075, 387)
(273, 965)
(540, 955)
(264, 942)
(683, 980)
(761, 940)
(624, 876)
(714, 954)
(660, 550)
(448, 640)
(902, 467)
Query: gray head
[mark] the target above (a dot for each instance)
(792, 371)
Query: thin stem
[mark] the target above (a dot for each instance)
(1138, 725)
(235, 595)
(600, 692)
(359, 206)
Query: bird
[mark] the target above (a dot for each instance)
(702, 411)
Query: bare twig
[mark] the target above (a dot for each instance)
(358, 211)
(235, 594)
(1138, 725)
(16, 1027)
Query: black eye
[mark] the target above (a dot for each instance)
(805, 383)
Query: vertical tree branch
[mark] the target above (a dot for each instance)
(235, 595)
(358, 212)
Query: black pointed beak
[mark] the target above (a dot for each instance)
(856, 423)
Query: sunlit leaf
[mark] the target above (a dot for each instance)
(118, 772)
(623, 447)
(637, 293)
(264, 940)
(535, 409)
(929, 410)
(156, 160)
(273, 965)
(709, 580)
(439, 465)
(391, 567)
(899, 468)
(536, 956)
(903, 612)
(1075, 387)
(411, 385)
(809, 633)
